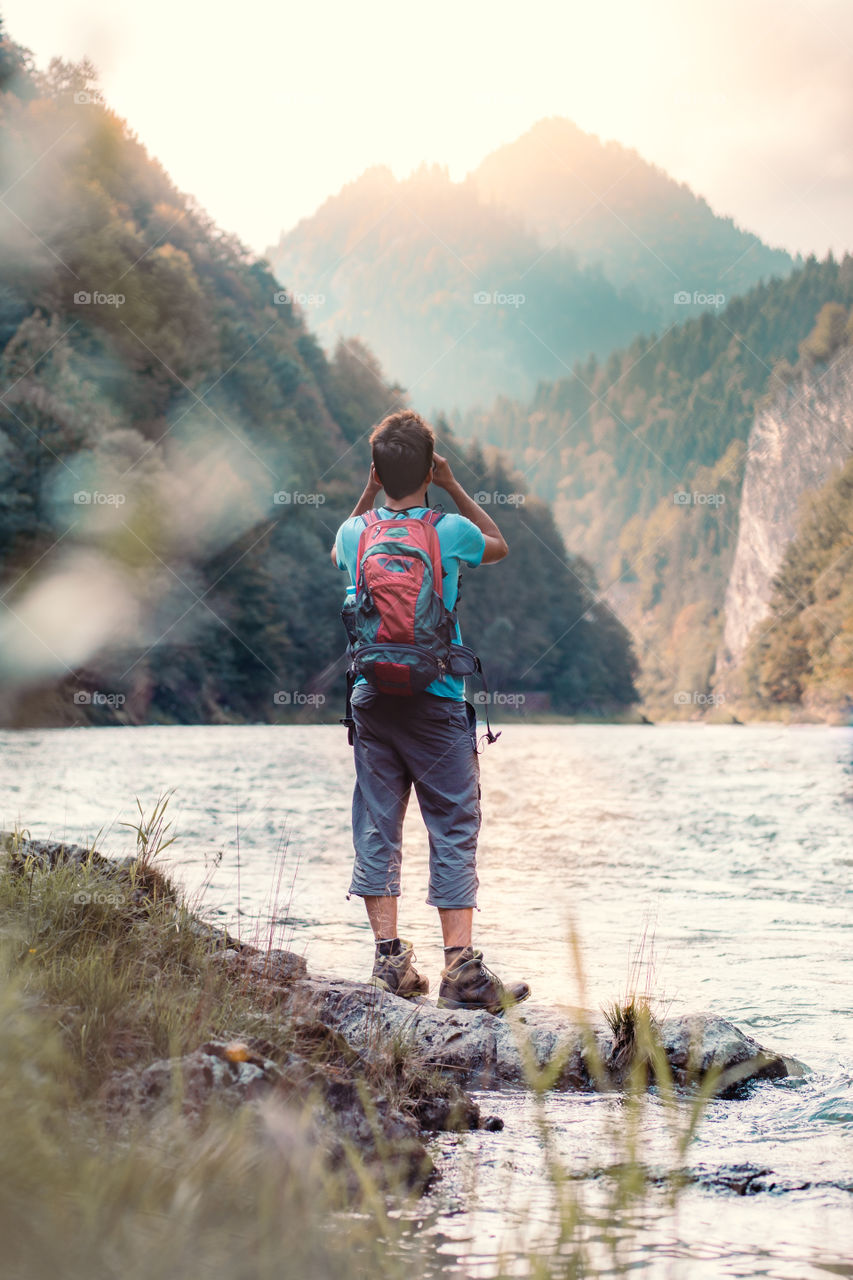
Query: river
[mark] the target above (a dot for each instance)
(712, 861)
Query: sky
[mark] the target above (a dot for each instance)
(263, 110)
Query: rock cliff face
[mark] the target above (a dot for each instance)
(797, 439)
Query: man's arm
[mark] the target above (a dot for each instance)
(496, 547)
(365, 502)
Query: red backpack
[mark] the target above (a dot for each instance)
(399, 628)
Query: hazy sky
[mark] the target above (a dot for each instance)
(262, 110)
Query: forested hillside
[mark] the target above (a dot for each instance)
(176, 451)
(642, 459)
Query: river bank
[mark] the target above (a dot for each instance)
(733, 843)
(91, 709)
(150, 1027)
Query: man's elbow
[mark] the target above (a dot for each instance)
(496, 549)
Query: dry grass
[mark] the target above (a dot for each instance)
(100, 974)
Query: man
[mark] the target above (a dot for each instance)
(427, 739)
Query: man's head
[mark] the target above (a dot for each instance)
(403, 446)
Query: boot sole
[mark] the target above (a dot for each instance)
(444, 1003)
(381, 985)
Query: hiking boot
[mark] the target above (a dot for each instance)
(468, 984)
(398, 975)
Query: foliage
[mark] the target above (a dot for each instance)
(613, 445)
(543, 627)
(97, 981)
(98, 986)
(222, 445)
(830, 332)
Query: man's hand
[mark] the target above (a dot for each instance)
(365, 502)
(496, 547)
(373, 486)
(441, 475)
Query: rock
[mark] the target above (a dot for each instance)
(144, 881)
(278, 966)
(530, 1043)
(751, 1180)
(359, 1027)
(328, 1101)
(219, 938)
(447, 1114)
(228, 1069)
(800, 434)
(694, 1045)
(50, 853)
(275, 966)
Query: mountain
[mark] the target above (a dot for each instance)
(556, 247)
(177, 450)
(613, 209)
(451, 292)
(642, 458)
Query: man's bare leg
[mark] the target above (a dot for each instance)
(456, 925)
(393, 969)
(382, 914)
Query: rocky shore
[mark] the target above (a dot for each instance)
(371, 1071)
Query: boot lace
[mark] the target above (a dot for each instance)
(486, 972)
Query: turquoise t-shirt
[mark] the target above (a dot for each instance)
(461, 542)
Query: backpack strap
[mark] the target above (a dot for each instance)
(491, 736)
(368, 517)
(347, 718)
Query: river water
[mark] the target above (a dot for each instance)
(713, 861)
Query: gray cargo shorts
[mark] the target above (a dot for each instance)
(430, 742)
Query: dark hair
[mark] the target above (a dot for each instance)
(403, 446)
